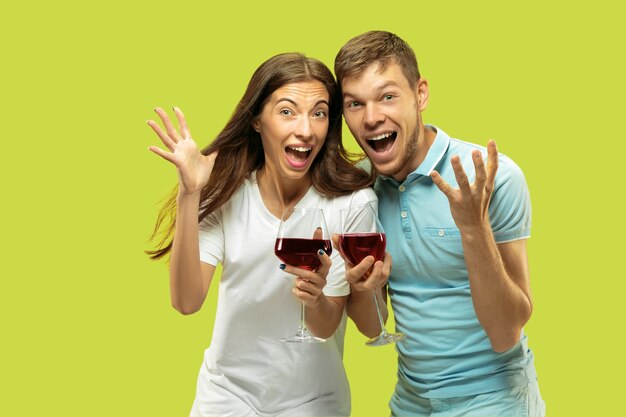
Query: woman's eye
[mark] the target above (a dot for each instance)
(388, 97)
(286, 112)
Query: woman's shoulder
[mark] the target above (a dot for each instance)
(357, 197)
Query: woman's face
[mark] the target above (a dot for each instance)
(293, 124)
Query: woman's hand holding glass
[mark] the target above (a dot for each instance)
(309, 284)
(194, 168)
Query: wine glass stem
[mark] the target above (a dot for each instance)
(380, 316)
(302, 325)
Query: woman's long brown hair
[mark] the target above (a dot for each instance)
(241, 151)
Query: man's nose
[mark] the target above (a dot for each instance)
(373, 116)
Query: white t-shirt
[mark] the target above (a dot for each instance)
(247, 370)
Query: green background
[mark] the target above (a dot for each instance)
(87, 328)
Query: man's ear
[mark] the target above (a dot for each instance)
(421, 93)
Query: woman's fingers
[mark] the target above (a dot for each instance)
(307, 286)
(169, 127)
(165, 155)
(167, 141)
(182, 123)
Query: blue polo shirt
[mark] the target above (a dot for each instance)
(446, 352)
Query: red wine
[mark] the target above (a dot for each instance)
(301, 253)
(356, 246)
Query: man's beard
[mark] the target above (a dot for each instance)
(410, 149)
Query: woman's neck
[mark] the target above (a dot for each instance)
(279, 193)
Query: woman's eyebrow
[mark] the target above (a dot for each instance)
(317, 103)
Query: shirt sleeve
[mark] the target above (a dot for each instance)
(211, 239)
(510, 209)
(336, 284)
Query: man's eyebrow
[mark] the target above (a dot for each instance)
(378, 89)
(317, 103)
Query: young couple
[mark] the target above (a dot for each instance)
(456, 230)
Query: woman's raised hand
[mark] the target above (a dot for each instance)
(194, 168)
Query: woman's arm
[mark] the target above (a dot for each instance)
(189, 277)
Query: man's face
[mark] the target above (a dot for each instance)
(383, 113)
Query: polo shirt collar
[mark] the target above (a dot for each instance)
(435, 153)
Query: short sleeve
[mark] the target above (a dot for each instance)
(211, 239)
(510, 209)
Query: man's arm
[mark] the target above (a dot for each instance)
(367, 277)
(498, 274)
(362, 310)
(500, 286)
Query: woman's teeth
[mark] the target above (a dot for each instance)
(298, 153)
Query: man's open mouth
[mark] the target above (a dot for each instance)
(382, 142)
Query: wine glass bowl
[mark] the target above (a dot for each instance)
(362, 235)
(301, 234)
(357, 246)
(301, 253)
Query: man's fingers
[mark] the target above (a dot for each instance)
(460, 175)
(443, 186)
(479, 166)
(492, 164)
(354, 275)
(378, 277)
(387, 262)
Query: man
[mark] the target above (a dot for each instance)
(456, 232)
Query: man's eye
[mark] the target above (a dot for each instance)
(320, 113)
(388, 97)
(353, 104)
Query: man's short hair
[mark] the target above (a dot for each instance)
(376, 46)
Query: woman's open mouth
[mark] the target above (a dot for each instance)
(298, 155)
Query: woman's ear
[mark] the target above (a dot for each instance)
(256, 125)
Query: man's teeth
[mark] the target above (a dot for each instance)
(381, 136)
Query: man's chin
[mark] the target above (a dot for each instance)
(388, 169)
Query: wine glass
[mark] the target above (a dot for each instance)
(363, 235)
(301, 234)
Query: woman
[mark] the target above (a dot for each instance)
(281, 148)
